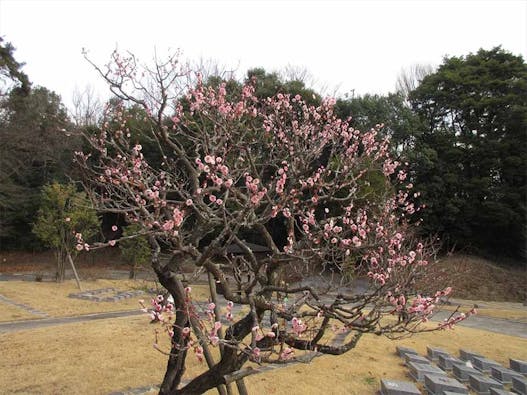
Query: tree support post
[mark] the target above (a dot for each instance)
(74, 271)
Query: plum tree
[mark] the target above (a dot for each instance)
(239, 170)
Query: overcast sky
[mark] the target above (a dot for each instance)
(349, 45)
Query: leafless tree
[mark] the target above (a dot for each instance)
(410, 78)
(87, 108)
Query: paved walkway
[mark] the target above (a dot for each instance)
(22, 306)
(497, 325)
(491, 324)
(14, 326)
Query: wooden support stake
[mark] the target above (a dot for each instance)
(74, 271)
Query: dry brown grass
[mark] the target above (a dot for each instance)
(52, 298)
(14, 313)
(103, 356)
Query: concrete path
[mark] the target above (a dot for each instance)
(491, 324)
(22, 306)
(497, 325)
(14, 326)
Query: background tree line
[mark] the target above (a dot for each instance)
(462, 129)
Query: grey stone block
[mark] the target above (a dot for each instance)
(502, 374)
(467, 355)
(499, 391)
(482, 384)
(393, 387)
(434, 352)
(462, 372)
(436, 385)
(403, 351)
(519, 366)
(416, 358)
(519, 385)
(446, 362)
(419, 370)
(483, 364)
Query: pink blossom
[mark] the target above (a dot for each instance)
(287, 353)
(114, 228)
(199, 353)
(169, 225)
(111, 242)
(177, 216)
(209, 159)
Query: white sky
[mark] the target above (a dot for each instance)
(349, 45)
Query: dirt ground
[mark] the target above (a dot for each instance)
(480, 279)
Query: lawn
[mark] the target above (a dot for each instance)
(108, 355)
(103, 356)
(52, 298)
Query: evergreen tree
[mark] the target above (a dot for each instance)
(473, 151)
(64, 222)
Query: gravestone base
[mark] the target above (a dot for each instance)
(447, 363)
(393, 387)
(484, 364)
(436, 385)
(518, 366)
(434, 352)
(403, 351)
(462, 372)
(417, 359)
(503, 375)
(499, 391)
(419, 370)
(482, 384)
(519, 385)
(467, 355)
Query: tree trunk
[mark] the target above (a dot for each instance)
(131, 275)
(230, 361)
(61, 257)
